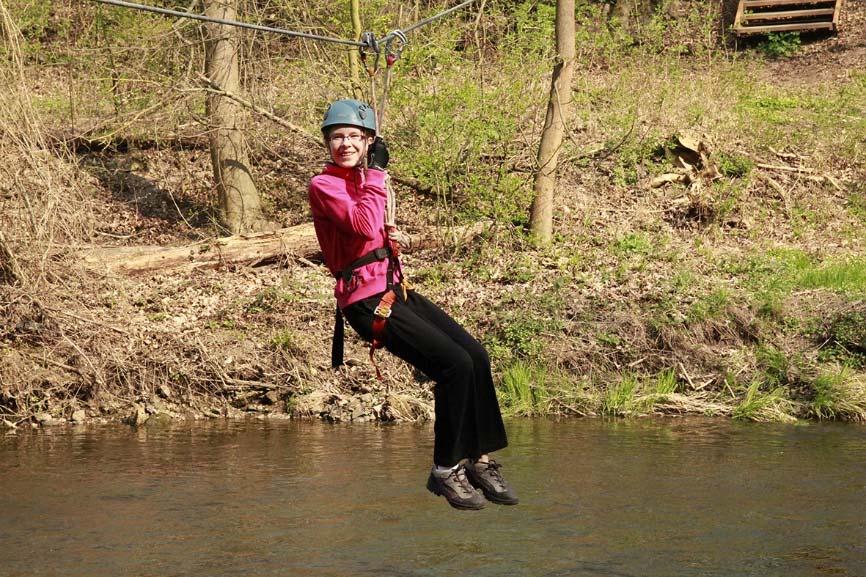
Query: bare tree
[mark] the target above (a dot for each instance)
(354, 60)
(558, 108)
(240, 206)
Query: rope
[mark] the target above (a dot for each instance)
(167, 12)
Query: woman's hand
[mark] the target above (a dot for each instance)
(401, 238)
(377, 155)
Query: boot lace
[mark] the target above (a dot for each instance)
(460, 482)
(492, 471)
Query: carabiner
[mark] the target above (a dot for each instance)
(370, 44)
(393, 54)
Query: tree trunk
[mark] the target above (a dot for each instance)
(558, 109)
(240, 207)
(226, 251)
(354, 60)
(247, 250)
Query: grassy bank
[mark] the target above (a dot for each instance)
(735, 289)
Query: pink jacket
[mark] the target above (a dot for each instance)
(349, 217)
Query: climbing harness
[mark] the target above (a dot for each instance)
(371, 53)
(381, 313)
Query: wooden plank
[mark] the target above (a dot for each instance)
(788, 14)
(749, 4)
(739, 16)
(836, 13)
(744, 30)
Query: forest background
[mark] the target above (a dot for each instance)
(708, 250)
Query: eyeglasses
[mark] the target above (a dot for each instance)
(350, 138)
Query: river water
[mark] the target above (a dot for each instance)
(599, 498)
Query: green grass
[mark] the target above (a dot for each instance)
(710, 306)
(778, 366)
(838, 395)
(770, 277)
(844, 276)
(683, 281)
(857, 202)
(271, 299)
(844, 339)
(827, 120)
(734, 165)
(665, 383)
(764, 406)
(621, 398)
(637, 394)
(524, 389)
(633, 243)
(53, 105)
(284, 340)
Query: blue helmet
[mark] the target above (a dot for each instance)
(349, 112)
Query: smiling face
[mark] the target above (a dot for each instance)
(348, 145)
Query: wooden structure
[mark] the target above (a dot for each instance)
(766, 16)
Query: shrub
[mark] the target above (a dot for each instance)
(735, 165)
(781, 44)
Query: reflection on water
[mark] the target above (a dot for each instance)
(619, 498)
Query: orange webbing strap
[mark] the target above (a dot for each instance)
(380, 319)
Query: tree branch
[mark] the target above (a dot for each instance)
(407, 181)
(214, 89)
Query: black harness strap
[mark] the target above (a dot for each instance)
(346, 274)
(371, 257)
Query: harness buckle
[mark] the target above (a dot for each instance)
(383, 311)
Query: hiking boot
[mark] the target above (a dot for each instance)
(456, 489)
(486, 476)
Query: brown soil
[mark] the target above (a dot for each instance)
(827, 58)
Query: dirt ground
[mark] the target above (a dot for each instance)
(827, 57)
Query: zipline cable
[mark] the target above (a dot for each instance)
(177, 14)
(426, 21)
(393, 44)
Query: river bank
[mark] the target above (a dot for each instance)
(731, 288)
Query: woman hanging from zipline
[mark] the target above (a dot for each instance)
(348, 202)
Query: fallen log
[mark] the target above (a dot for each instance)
(248, 249)
(296, 242)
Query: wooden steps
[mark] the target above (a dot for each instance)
(766, 16)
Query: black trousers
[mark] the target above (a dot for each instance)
(468, 421)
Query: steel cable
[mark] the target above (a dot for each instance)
(426, 21)
(284, 32)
